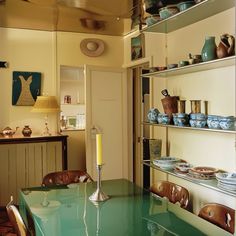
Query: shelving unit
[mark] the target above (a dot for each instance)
(192, 15)
(211, 184)
(209, 65)
(191, 128)
(185, 18)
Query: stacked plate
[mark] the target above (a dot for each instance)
(226, 180)
(203, 172)
(182, 168)
(166, 163)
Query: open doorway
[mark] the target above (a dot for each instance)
(140, 105)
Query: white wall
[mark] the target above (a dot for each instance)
(26, 50)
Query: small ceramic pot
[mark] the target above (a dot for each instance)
(150, 20)
(163, 118)
(182, 121)
(198, 116)
(213, 122)
(171, 66)
(26, 131)
(227, 123)
(185, 5)
(152, 115)
(168, 11)
(200, 123)
(183, 63)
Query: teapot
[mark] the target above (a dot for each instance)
(8, 132)
(226, 46)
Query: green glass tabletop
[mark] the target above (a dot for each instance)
(130, 211)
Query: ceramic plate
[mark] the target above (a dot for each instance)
(204, 170)
(182, 166)
(226, 177)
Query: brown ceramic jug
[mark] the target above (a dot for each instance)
(226, 46)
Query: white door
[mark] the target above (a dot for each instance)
(106, 113)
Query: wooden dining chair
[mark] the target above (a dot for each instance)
(16, 219)
(66, 177)
(173, 192)
(219, 215)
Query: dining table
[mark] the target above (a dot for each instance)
(129, 211)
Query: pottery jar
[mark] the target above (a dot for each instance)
(209, 49)
(27, 131)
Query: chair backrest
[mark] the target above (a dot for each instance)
(175, 193)
(66, 177)
(219, 215)
(16, 219)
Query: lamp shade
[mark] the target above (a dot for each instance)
(46, 104)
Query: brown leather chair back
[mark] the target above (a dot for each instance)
(175, 193)
(66, 177)
(219, 215)
(16, 219)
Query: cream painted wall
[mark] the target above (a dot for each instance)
(26, 50)
(216, 86)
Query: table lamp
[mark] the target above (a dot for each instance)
(46, 104)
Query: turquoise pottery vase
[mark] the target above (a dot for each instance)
(209, 49)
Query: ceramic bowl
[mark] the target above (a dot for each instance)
(213, 122)
(183, 166)
(197, 116)
(150, 20)
(163, 118)
(183, 63)
(171, 66)
(185, 5)
(182, 121)
(197, 123)
(168, 11)
(227, 123)
(152, 115)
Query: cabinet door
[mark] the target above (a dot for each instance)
(24, 165)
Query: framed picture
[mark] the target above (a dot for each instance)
(71, 121)
(137, 47)
(26, 87)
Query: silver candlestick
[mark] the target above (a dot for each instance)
(98, 195)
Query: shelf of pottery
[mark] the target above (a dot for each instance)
(191, 109)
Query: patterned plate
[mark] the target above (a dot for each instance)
(204, 170)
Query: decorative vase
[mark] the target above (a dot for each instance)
(209, 49)
(27, 131)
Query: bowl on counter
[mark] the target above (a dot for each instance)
(168, 11)
(185, 5)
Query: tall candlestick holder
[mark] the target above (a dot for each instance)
(98, 195)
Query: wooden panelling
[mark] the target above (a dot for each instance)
(24, 165)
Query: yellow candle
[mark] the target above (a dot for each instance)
(99, 148)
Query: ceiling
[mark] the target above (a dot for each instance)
(109, 17)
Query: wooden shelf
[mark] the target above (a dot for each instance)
(192, 15)
(191, 128)
(209, 65)
(211, 184)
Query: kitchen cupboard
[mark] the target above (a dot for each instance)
(213, 81)
(24, 162)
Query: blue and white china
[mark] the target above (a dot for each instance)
(185, 5)
(213, 122)
(227, 180)
(163, 118)
(168, 11)
(227, 123)
(197, 123)
(152, 115)
(166, 162)
(198, 116)
(183, 166)
(182, 121)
